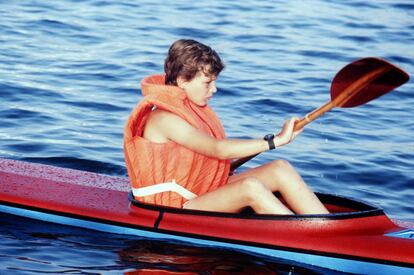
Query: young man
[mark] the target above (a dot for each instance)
(177, 154)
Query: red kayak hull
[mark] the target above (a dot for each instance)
(355, 231)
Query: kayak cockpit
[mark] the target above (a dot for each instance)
(338, 206)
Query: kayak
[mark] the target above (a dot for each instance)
(356, 237)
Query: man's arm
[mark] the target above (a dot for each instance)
(163, 126)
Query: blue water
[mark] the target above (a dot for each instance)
(70, 73)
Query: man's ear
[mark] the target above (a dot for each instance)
(181, 82)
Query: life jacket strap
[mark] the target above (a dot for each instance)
(163, 187)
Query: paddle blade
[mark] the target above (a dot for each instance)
(364, 80)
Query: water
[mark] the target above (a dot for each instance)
(69, 77)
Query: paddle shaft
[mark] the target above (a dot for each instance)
(340, 100)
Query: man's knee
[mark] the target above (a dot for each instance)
(252, 188)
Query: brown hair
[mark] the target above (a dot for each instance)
(187, 57)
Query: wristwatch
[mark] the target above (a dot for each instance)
(269, 138)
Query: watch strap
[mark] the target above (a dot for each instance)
(269, 138)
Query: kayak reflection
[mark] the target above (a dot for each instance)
(155, 257)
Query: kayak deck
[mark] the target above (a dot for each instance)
(356, 231)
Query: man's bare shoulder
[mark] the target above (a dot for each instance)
(154, 126)
(163, 125)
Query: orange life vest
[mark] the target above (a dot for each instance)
(151, 163)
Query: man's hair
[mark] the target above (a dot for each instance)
(187, 57)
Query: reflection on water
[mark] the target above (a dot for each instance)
(155, 257)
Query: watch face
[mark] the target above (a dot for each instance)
(269, 137)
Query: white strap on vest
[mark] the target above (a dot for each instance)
(163, 187)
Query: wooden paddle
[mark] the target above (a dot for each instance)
(356, 84)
